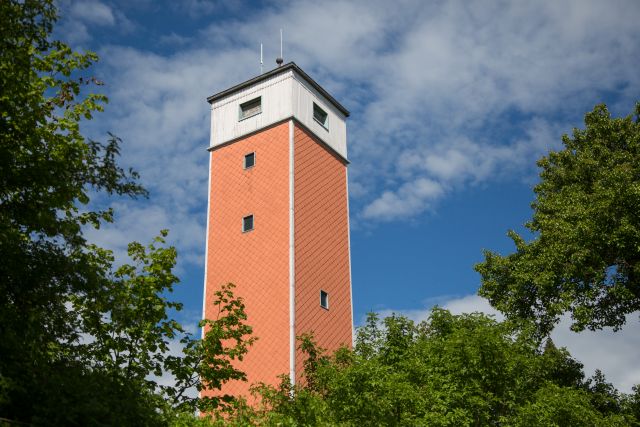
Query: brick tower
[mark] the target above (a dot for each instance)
(278, 217)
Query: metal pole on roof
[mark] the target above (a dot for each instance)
(280, 60)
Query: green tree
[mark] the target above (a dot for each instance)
(451, 370)
(585, 257)
(81, 340)
(557, 406)
(47, 172)
(226, 339)
(126, 336)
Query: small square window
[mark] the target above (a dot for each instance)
(249, 160)
(250, 108)
(247, 223)
(324, 300)
(320, 116)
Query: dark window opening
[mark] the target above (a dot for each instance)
(324, 300)
(247, 223)
(320, 116)
(249, 160)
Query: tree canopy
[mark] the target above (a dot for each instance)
(585, 257)
(450, 370)
(83, 342)
(47, 170)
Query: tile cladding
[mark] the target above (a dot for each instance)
(321, 244)
(258, 261)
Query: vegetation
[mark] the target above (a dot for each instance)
(465, 370)
(83, 342)
(585, 258)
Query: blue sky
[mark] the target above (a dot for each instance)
(452, 103)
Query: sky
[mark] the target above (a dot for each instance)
(451, 105)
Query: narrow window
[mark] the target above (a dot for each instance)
(250, 108)
(247, 223)
(320, 116)
(324, 300)
(249, 160)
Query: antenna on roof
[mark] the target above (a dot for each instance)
(280, 60)
(261, 62)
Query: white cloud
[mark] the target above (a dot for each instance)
(446, 80)
(454, 163)
(76, 32)
(174, 39)
(412, 198)
(459, 76)
(614, 353)
(158, 108)
(470, 304)
(92, 12)
(80, 19)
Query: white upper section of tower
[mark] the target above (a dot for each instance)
(284, 93)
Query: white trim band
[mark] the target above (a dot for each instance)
(292, 277)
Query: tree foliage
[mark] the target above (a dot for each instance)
(83, 342)
(47, 171)
(585, 257)
(451, 370)
(212, 361)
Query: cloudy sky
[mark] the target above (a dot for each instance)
(451, 102)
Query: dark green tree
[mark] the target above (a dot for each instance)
(83, 342)
(47, 172)
(585, 256)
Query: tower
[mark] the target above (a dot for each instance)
(278, 217)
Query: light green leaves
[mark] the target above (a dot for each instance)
(450, 370)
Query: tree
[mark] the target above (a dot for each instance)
(47, 172)
(81, 340)
(556, 406)
(466, 370)
(210, 361)
(128, 337)
(585, 257)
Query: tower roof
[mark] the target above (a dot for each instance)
(274, 72)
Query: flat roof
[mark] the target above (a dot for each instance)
(274, 72)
